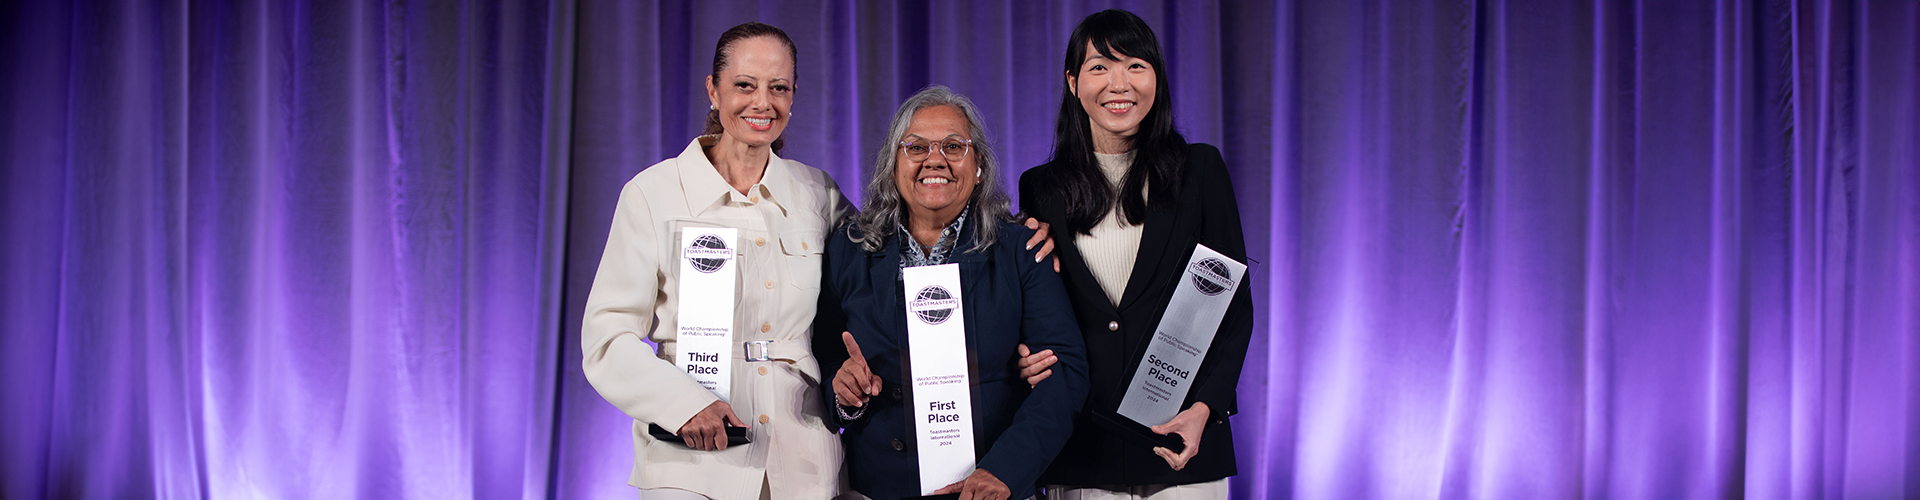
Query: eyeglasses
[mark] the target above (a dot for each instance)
(954, 149)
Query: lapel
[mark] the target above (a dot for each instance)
(883, 270)
(701, 183)
(778, 183)
(1155, 239)
(1072, 263)
(972, 271)
(963, 253)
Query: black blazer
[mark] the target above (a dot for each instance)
(1206, 212)
(1010, 299)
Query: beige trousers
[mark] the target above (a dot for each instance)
(855, 495)
(766, 493)
(1211, 490)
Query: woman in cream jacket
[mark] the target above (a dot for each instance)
(731, 177)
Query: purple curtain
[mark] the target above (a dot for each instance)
(1612, 250)
(280, 249)
(1508, 249)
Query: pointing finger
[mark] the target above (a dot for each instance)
(853, 348)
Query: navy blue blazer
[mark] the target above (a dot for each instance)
(1010, 299)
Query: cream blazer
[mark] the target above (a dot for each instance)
(783, 222)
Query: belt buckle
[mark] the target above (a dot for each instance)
(764, 350)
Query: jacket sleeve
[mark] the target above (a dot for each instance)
(1220, 373)
(1044, 421)
(626, 287)
(1029, 188)
(829, 319)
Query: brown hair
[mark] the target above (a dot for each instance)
(749, 30)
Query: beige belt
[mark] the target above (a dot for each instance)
(769, 350)
(799, 353)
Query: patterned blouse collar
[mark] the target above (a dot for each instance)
(912, 254)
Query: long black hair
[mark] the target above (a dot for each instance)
(1159, 150)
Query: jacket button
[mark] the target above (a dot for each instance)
(899, 446)
(766, 327)
(1113, 326)
(763, 370)
(760, 242)
(769, 283)
(895, 394)
(764, 419)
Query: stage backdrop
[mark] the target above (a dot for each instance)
(1508, 249)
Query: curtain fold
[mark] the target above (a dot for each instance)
(1506, 248)
(280, 249)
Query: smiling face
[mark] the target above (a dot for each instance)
(1116, 93)
(754, 92)
(935, 189)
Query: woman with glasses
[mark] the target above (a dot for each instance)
(1136, 198)
(935, 198)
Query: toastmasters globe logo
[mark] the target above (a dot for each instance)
(707, 253)
(1209, 275)
(933, 305)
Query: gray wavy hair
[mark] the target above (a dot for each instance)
(884, 212)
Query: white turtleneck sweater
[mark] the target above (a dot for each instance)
(1113, 243)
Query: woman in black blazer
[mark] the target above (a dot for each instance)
(1135, 198)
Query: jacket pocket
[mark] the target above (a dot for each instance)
(800, 251)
